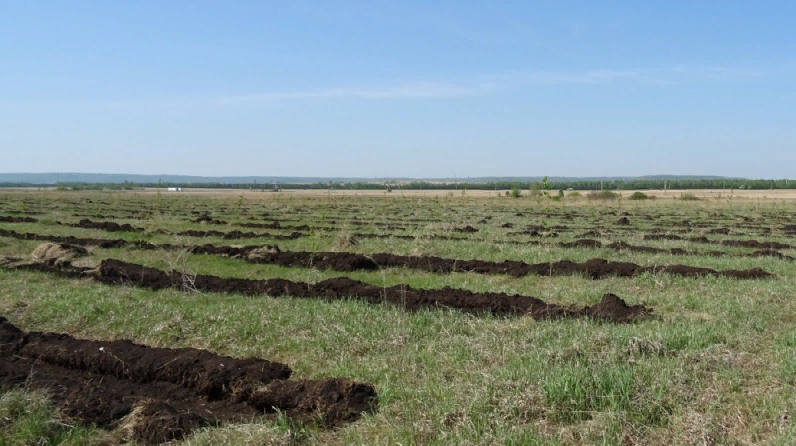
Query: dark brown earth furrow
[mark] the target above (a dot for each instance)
(622, 246)
(8, 219)
(594, 268)
(158, 394)
(116, 272)
(347, 262)
(107, 226)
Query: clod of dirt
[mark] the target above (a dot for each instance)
(466, 229)
(57, 253)
(507, 225)
(624, 221)
(612, 308)
(155, 422)
(297, 398)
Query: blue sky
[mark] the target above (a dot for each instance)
(417, 89)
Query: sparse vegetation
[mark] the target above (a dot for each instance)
(688, 196)
(639, 196)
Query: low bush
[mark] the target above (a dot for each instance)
(688, 196)
(574, 194)
(602, 195)
(639, 196)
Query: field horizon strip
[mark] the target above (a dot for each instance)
(715, 364)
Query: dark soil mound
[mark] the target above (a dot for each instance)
(583, 243)
(622, 246)
(4, 219)
(612, 308)
(755, 244)
(624, 221)
(498, 304)
(108, 226)
(236, 235)
(662, 237)
(274, 225)
(207, 219)
(771, 253)
(466, 229)
(719, 231)
(109, 244)
(158, 394)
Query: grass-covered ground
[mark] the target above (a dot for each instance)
(717, 364)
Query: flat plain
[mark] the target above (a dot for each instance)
(397, 318)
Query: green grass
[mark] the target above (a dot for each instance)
(716, 362)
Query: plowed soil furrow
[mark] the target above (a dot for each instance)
(156, 395)
(347, 262)
(8, 219)
(594, 268)
(622, 246)
(108, 226)
(116, 272)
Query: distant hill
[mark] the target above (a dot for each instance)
(53, 178)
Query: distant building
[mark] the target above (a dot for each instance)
(174, 189)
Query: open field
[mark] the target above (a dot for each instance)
(411, 318)
(716, 194)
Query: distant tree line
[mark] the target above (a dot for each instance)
(642, 184)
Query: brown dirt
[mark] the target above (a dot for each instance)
(624, 221)
(347, 261)
(755, 244)
(116, 272)
(5, 219)
(582, 243)
(159, 394)
(108, 226)
(208, 220)
(102, 243)
(237, 235)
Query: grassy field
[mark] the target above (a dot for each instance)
(716, 365)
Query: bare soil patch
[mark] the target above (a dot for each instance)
(159, 394)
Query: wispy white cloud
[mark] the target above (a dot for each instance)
(593, 77)
(437, 90)
(488, 84)
(409, 91)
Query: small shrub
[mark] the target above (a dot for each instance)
(574, 194)
(533, 190)
(602, 195)
(561, 193)
(688, 196)
(515, 192)
(639, 196)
